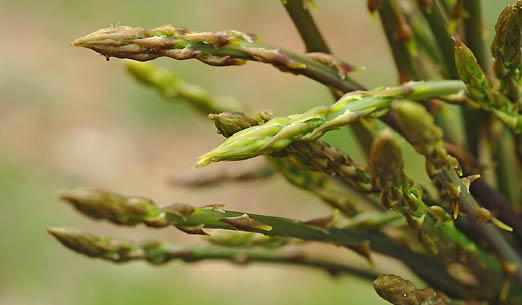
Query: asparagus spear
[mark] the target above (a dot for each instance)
(159, 253)
(227, 48)
(280, 132)
(131, 211)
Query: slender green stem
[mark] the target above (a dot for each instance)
(403, 41)
(159, 253)
(499, 243)
(418, 128)
(475, 121)
(217, 49)
(438, 22)
(296, 170)
(278, 133)
(507, 167)
(173, 88)
(434, 227)
(305, 24)
(399, 35)
(474, 36)
(131, 211)
(299, 12)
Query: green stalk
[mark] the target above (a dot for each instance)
(228, 123)
(328, 159)
(476, 121)
(403, 42)
(216, 49)
(313, 166)
(434, 227)
(296, 170)
(399, 36)
(506, 51)
(159, 253)
(417, 126)
(173, 88)
(131, 211)
(474, 36)
(482, 93)
(299, 12)
(438, 22)
(507, 167)
(280, 132)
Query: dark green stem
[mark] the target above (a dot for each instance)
(131, 211)
(305, 24)
(438, 22)
(398, 33)
(474, 39)
(158, 253)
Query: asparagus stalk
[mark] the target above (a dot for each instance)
(508, 59)
(434, 227)
(173, 88)
(131, 211)
(159, 253)
(416, 125)
(328, 159)
(299, 12)
(229, 123)
(404, 44)
(400, 39)
(507, 53)
(226, 48)
(247, 240)
(438, 22)
(473, 26)
(296, 170)
(280, 132)
(482, 93)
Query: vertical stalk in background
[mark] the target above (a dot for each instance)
(299, 12)
(438, 23)
(399, 34)
(474, 38)
(305, 24)
(473, 33)
(402, 42)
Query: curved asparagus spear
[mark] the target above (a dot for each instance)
(131, 211)
(158, 253)
(172, 87)
(225, 48)
(280, 132)
(313, 166)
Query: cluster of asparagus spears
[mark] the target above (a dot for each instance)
(464, 240)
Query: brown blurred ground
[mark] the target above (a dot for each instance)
(69, 119)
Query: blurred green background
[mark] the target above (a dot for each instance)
(70, 119)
